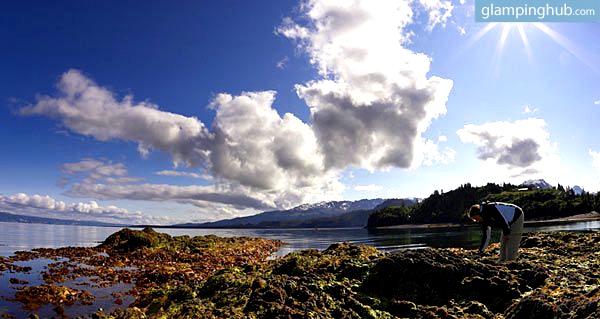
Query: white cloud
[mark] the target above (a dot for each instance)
(368, 188)
(433, 155)
(96, 170)
(529, 109)
(46, 206)
(181, 174)
(113, 183)
(258, 148)
(281, 64)
(374, 98)
(597, 102)
(98, 167)
(515, 149)
(222, 197)
(282, 157)
(184, 194)
(595, 159)
(439, 12)
(89, 109)
(369, 107)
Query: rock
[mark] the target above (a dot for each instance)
(16, 281)
(529, 242)
(402, 308)
(556, 276)
(127, 240)
(532, 308)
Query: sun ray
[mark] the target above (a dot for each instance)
(505, 29)
(500, 48)
(475, 38)
(503, 37)
(565, 44)
(523, 35)
(523, 28)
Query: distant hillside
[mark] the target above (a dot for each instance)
(538, 201)
(407, 202)
(321, 215)
(14, 218)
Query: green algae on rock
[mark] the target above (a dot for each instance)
(556, 276)
(146, 260)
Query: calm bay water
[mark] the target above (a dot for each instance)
(18, 236)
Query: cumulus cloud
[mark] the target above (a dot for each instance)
(597, 102)
(368, 188)
(520, 146)
(46, 206)
(280, 156)
(278, 151)
(91, 110)
(374, 98)
(370, 105)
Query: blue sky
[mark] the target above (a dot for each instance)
(160, 113)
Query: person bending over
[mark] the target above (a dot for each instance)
(507, 217)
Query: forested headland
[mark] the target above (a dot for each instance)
(451, 207)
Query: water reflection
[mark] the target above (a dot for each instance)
(18, 236)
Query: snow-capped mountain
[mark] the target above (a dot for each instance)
(338, 206)
(334, 214)
(577, 190)
(536, 183)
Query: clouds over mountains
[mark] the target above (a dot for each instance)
(45, 205)
(369, 107)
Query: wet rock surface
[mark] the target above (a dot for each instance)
(143, 259)
(556, 276)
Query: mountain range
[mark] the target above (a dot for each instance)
(323, 215)
(542, 184)
(536, 184)
(319, 215)
(14, 218)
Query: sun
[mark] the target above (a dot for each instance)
(522, 29)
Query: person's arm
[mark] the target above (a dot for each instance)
(485, 238)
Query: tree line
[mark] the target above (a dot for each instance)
(451, 207)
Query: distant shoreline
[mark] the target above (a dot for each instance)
(592, 216)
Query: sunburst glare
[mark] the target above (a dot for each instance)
(523, 29)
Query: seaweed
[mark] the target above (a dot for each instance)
(556, 276)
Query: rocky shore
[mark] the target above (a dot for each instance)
(556, 276)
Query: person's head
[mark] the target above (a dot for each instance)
(475, 213)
